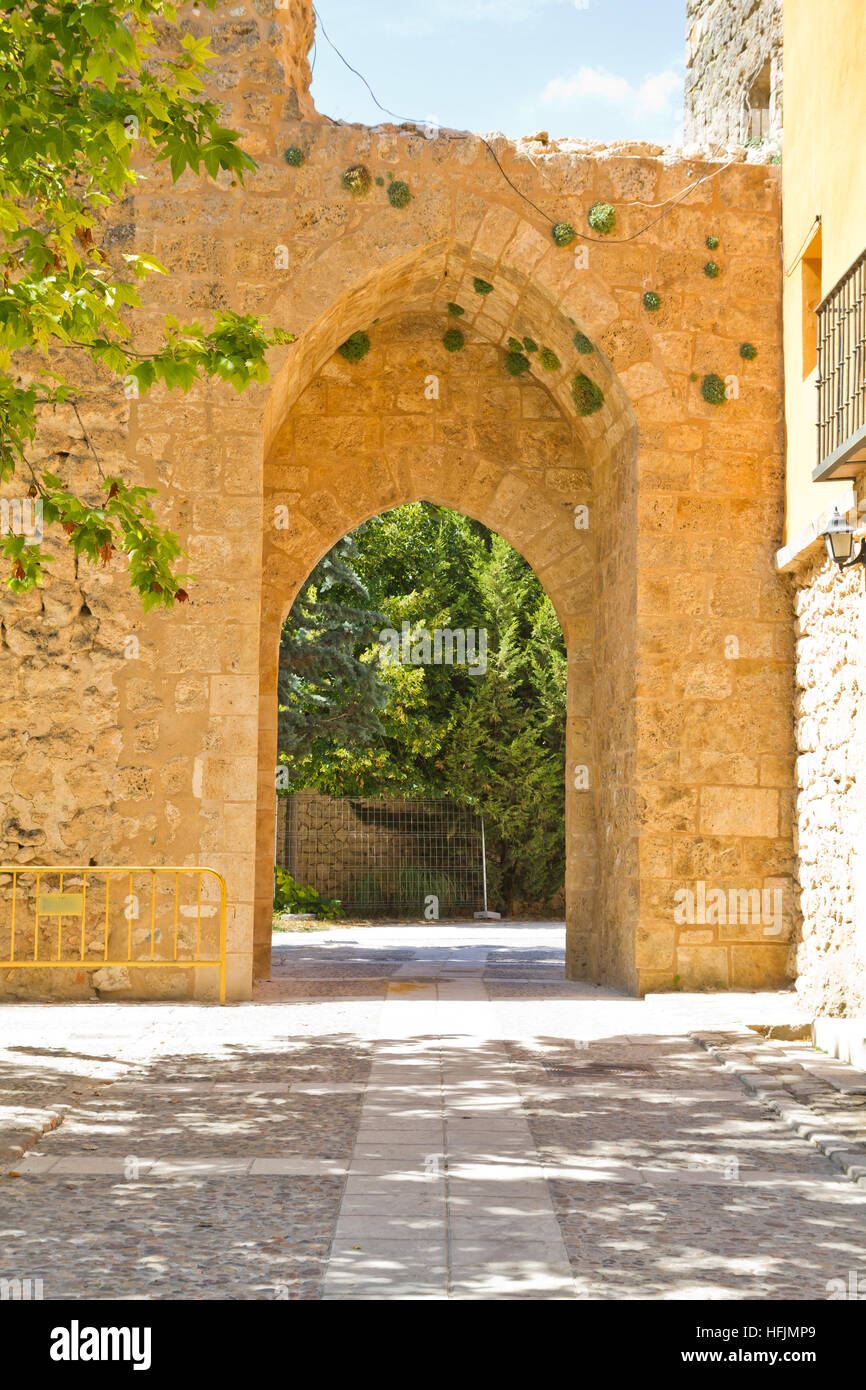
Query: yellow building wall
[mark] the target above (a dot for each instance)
(824, 171)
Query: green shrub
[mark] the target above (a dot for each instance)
(516, 363)
(356, 346)
(515, 345)
(456, 310)
(582, 343)
(713, 389)
(357, 180)
(398, 194)
(587, 395)
(482, 286)
(549, 360)
(289, 896)
(563, 233)
(748, 351)
(295, 157)
(651, 301)
(380, 182)
(453, 340)
(530, 345)
(712, 243)
(711, 270)
(602, 218)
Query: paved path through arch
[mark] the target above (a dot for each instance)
(418, 1112)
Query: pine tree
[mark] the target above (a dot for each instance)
(328, 693)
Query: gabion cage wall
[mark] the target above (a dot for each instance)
(384, 857)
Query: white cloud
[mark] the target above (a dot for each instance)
(588, 82)
(656, 95)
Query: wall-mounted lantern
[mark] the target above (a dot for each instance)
(839, 538)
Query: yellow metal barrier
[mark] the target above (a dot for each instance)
(62, 916)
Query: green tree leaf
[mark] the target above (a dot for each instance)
(82, 84)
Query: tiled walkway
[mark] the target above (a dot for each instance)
(411, 1112)
(445, 1196)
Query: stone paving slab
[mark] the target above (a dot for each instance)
(355, 1228)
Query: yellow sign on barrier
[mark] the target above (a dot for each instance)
(137, 917)
(65, 904)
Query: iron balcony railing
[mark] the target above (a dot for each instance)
(841, 319)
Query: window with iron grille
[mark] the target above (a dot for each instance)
(841, 319)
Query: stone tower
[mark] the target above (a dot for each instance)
(733, 90)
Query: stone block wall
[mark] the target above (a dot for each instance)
(830, 710)
(326, 844)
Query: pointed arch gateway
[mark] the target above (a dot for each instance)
(414, 421)
(679, 628)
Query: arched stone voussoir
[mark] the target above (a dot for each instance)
(417, 280)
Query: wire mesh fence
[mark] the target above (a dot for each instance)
(388, 857)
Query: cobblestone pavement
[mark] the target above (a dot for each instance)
(428, 1112)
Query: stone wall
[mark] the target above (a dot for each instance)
(689, 534)
(831, 778)
(733, 49)
(327, 848)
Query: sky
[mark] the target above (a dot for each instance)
(595, 69)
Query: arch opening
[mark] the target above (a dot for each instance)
(422, 687)
(413, 422)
